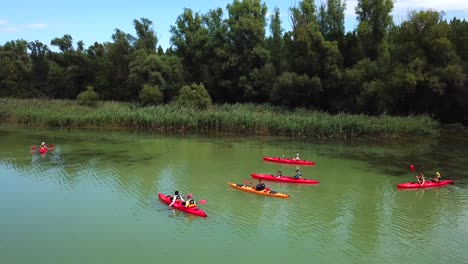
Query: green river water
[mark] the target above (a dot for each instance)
(94, 200)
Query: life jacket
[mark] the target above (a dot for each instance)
(177, 197)
(260, 187)
(190, 203)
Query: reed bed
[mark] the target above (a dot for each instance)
(238, 118)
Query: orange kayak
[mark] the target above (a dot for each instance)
(247, 188)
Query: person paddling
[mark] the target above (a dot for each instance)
(43, 146)
(298, 175)
(279, 174)
(176, 197)
(420, 178)
(437, 177)
(260, 186)
(190, 202)
(297, 157)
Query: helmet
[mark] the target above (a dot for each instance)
(438, 174)
(43, 143)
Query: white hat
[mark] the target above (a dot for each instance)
(43, 143)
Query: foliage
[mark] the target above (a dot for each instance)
(240, 118)
(419, 66)
(88, 97)
(151, 95)
(194, 96)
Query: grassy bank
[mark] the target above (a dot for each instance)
(246, 118)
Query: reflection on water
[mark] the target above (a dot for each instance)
(97, 192)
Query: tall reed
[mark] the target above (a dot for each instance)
(242, 118)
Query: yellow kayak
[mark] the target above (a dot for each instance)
(266, 192)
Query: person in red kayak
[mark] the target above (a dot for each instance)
(437, 177)
(43, 146)
(279, 174)
(190, 202)
(298, 175)
(297, 157)
(176, 197)
(420, 178)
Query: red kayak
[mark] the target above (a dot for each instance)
(270, 177)
(290, 161)
(426, 184)
(178, 205)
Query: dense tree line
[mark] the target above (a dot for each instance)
(419, 66)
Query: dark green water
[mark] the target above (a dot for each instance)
(94, 200)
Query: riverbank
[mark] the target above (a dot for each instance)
(239, 118)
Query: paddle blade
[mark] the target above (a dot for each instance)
(33, 147)
(267, 189)
(246, 182)
(202, 202)
(412, 168)
(51, 145)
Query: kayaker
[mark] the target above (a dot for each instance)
(260, 186)
(298, 175)
(279, 174)
(43, 145)
(283, 157)
(437, 177)
(420, 178)
(297, 157)
(176, 197)
(190, 202)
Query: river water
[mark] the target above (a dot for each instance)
(93, 199)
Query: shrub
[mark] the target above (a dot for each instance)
(88, 97)
(194, 96)
(151, 95)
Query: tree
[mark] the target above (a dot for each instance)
(374, 19)
(275, 42)
(146, 37)
(151, 95)
(194, 96)
(246, 35)
(331, 20)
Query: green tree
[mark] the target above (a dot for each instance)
(146, 36)
(246, 35)
(194, 95)
(88, 97)
(275, 42)
(151, 95)
(374, 20)
(331, 20)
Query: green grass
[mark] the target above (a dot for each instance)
(240, 118)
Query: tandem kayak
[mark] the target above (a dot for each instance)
(247, 188)
(426, 184)
(178, 205)
(270, 177)
(289, 161)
